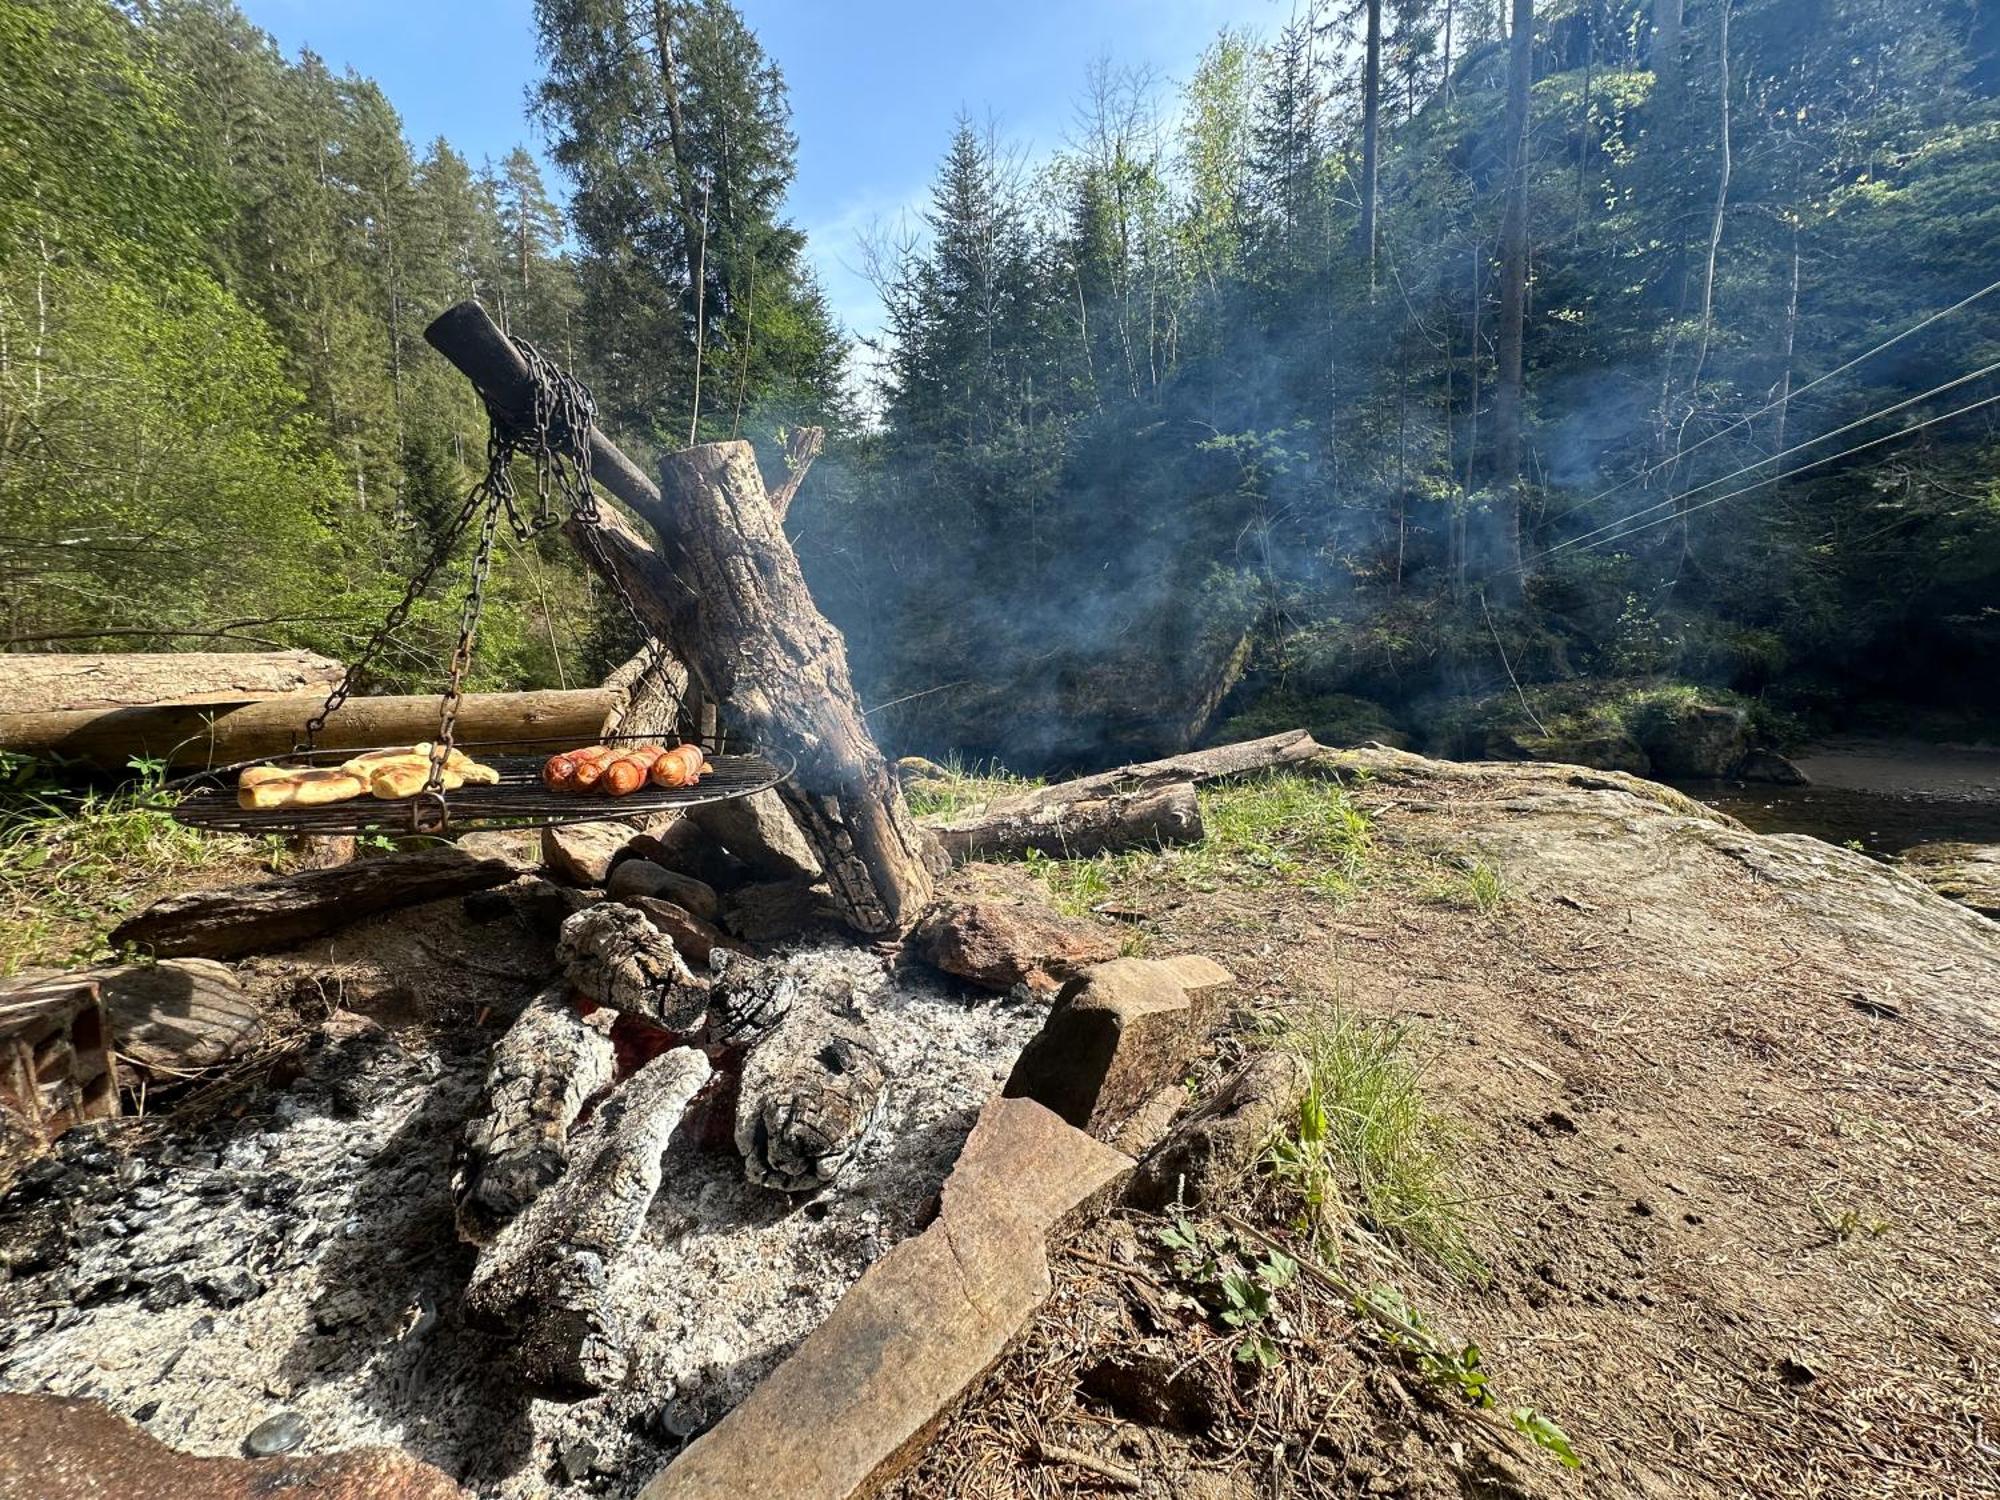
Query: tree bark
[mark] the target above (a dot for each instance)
(283, 913)
(1075, 830)
(221, 734)
(39, 682)
(740, 615)
(1371, 114)
(1507, 391)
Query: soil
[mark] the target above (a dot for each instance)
(1728, 1110)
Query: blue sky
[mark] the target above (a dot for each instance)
(875, 84)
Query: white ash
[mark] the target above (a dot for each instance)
(302, 1258)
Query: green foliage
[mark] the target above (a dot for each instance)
(1237, 1284)
(71, 865)
(1281, 825)
(1367, 1148)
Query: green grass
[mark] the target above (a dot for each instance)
(1474, 884)
(1281, 826)
(73, 864)
(1367, 1147)
(961, 786)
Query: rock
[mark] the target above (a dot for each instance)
(578, 1457)
(275, 1435)
(641, 877)
(1700, 742)
(1116, 1034)
(996, 943)
(1602, 752)
(583, 853)
(1966, 873)
(774, 909)
(696, 939)
(178, 1015)
(1222, 1141)
(758, 831)
(1769, 766)
(54, 1448)
(847, 1412)
(683, 847)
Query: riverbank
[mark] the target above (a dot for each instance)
(1880, 794)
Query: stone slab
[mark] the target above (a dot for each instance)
(855, 1403)
(1117, 1034)
(53, 1448)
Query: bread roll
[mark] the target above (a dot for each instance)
(314, 788)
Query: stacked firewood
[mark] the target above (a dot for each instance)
(555, 1178)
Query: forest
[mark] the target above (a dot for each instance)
(1411, 358)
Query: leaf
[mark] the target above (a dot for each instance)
(1546, 1433)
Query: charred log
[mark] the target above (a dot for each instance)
(550, 1063)
(811, 1091)
(614, 955)
(545, 1280)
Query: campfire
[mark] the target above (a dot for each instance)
(669, 1085)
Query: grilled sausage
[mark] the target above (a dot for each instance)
(680, 766)
(625, 774)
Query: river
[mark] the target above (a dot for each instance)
(1882, 795)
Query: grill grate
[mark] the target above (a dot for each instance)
(519, 800)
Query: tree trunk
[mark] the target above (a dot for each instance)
(1513, 297)
(37, 682)
(1075, 830)
(744, 622)
(282, 913)
(221, 734)
(1791, 340)
(1371, 113)
(724, 591)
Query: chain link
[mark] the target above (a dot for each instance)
(555, 436)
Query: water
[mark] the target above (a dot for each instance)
(1882, 795)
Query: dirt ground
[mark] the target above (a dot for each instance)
(1729, 1110)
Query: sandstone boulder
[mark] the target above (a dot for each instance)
(997, 943)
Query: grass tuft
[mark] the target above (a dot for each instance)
(1367, 1148)
(951, 787)
(72, 864)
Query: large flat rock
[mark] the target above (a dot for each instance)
(1117, 1034)
(851, 1408)
(52, 1448)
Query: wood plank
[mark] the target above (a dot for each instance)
(48, 682)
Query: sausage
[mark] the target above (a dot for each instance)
(680, 766)
(560, 772)
(590, 765)
(625, 774)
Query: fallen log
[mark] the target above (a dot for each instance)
(550, 1063)
(211, 735)
(1245, 757)
(723, 590)
(178, 1016)
(1147, 819)
(282, 913)
(52, 682)
(544, 1281)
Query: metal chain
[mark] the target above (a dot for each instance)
(556, 436)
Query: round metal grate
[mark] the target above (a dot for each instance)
(520, 800)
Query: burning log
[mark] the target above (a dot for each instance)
(550, 1063)
(1075, 830)
(725, 593)
(613, 954)
(811, 1090)
(545, 1279)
